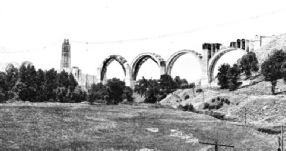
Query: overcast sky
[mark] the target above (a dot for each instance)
(35, 29)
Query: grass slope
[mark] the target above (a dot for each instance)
(51, 126)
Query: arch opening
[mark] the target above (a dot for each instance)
(142, 58)
(182, 54)
(122, 61)
(149, 70)
(216, 60)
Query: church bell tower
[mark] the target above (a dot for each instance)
(66, 56)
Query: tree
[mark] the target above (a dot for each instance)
(96, 92)
(72, 82)
(141, 86)
(128, 94)
(41, 94)
(115, 91)
(78, 95)
(25, 86)
(63, 79)
(11, 79)
(248, 63)
(232, 76)
(178, 81)
(153, 91)
(271, 68)
(222, 76)
(3, 87)
(167, 83)
(51, 83)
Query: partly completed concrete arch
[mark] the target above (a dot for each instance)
(178, 54)
(122, 61)
(141, 58)
(213, 61)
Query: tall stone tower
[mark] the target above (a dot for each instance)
(66, 56)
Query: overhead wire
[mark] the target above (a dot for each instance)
(183, 32)
(151, 37)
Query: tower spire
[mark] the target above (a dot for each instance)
(66, 56)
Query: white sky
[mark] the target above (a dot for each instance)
(29, 26)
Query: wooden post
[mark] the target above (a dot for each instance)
(282, 137)
(245, 116)
(203, 96)
(216, 145)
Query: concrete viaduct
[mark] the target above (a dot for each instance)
(212, 52)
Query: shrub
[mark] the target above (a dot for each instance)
(206, 105)
(212, 107)
(213, 100)
(187, 107)
(216, 115)
(227, 101)
(220, 104)
(218, 98)
(222, 100)
(186, 97)
(199, 90)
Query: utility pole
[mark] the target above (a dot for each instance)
(245, 116)
(282, 137)
(203, 96)
(216, 145)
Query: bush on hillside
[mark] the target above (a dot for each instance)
(213, 100)
(271, 68)
(187, 107)
(187, 97)
(206, 105)
(199, 90)
(248, 63)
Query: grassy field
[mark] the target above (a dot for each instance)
(51, 126)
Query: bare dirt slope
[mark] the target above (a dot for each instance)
(262, 108)
(278, 42)
(176, 98)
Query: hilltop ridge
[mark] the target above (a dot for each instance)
(277, 42)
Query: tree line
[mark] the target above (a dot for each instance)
(155, 90)
(27, 84)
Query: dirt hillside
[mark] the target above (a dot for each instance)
(261, 106)
(278, 42)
